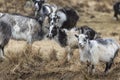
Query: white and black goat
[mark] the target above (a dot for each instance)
(43, 10)
(93, 51)
(72, 42)
(63, 18)
(23, 27)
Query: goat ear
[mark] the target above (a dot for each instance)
(76, 35)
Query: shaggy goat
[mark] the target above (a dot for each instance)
(23, 27)
(5, 34)
(93, 51)
(43, 10)
(63, 18)
(72, 41)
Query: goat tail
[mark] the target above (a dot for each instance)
(118, 44)
(118, 48)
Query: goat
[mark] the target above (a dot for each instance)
(23, 27)
(93, 51)
(72, 42)
(43, 10)
(63, 18)
(38, 4)
(116, 8)
(5, 35)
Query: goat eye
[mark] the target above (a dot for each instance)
(84, 40)
(52, 23)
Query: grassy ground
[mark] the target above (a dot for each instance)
(46, 60)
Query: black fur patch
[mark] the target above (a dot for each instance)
(62, 37)
(88, 31)
(54, 31)
(5, 31)
(101, 41)
(72, 17)
(116, 8)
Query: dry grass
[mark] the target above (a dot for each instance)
(46, 60)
